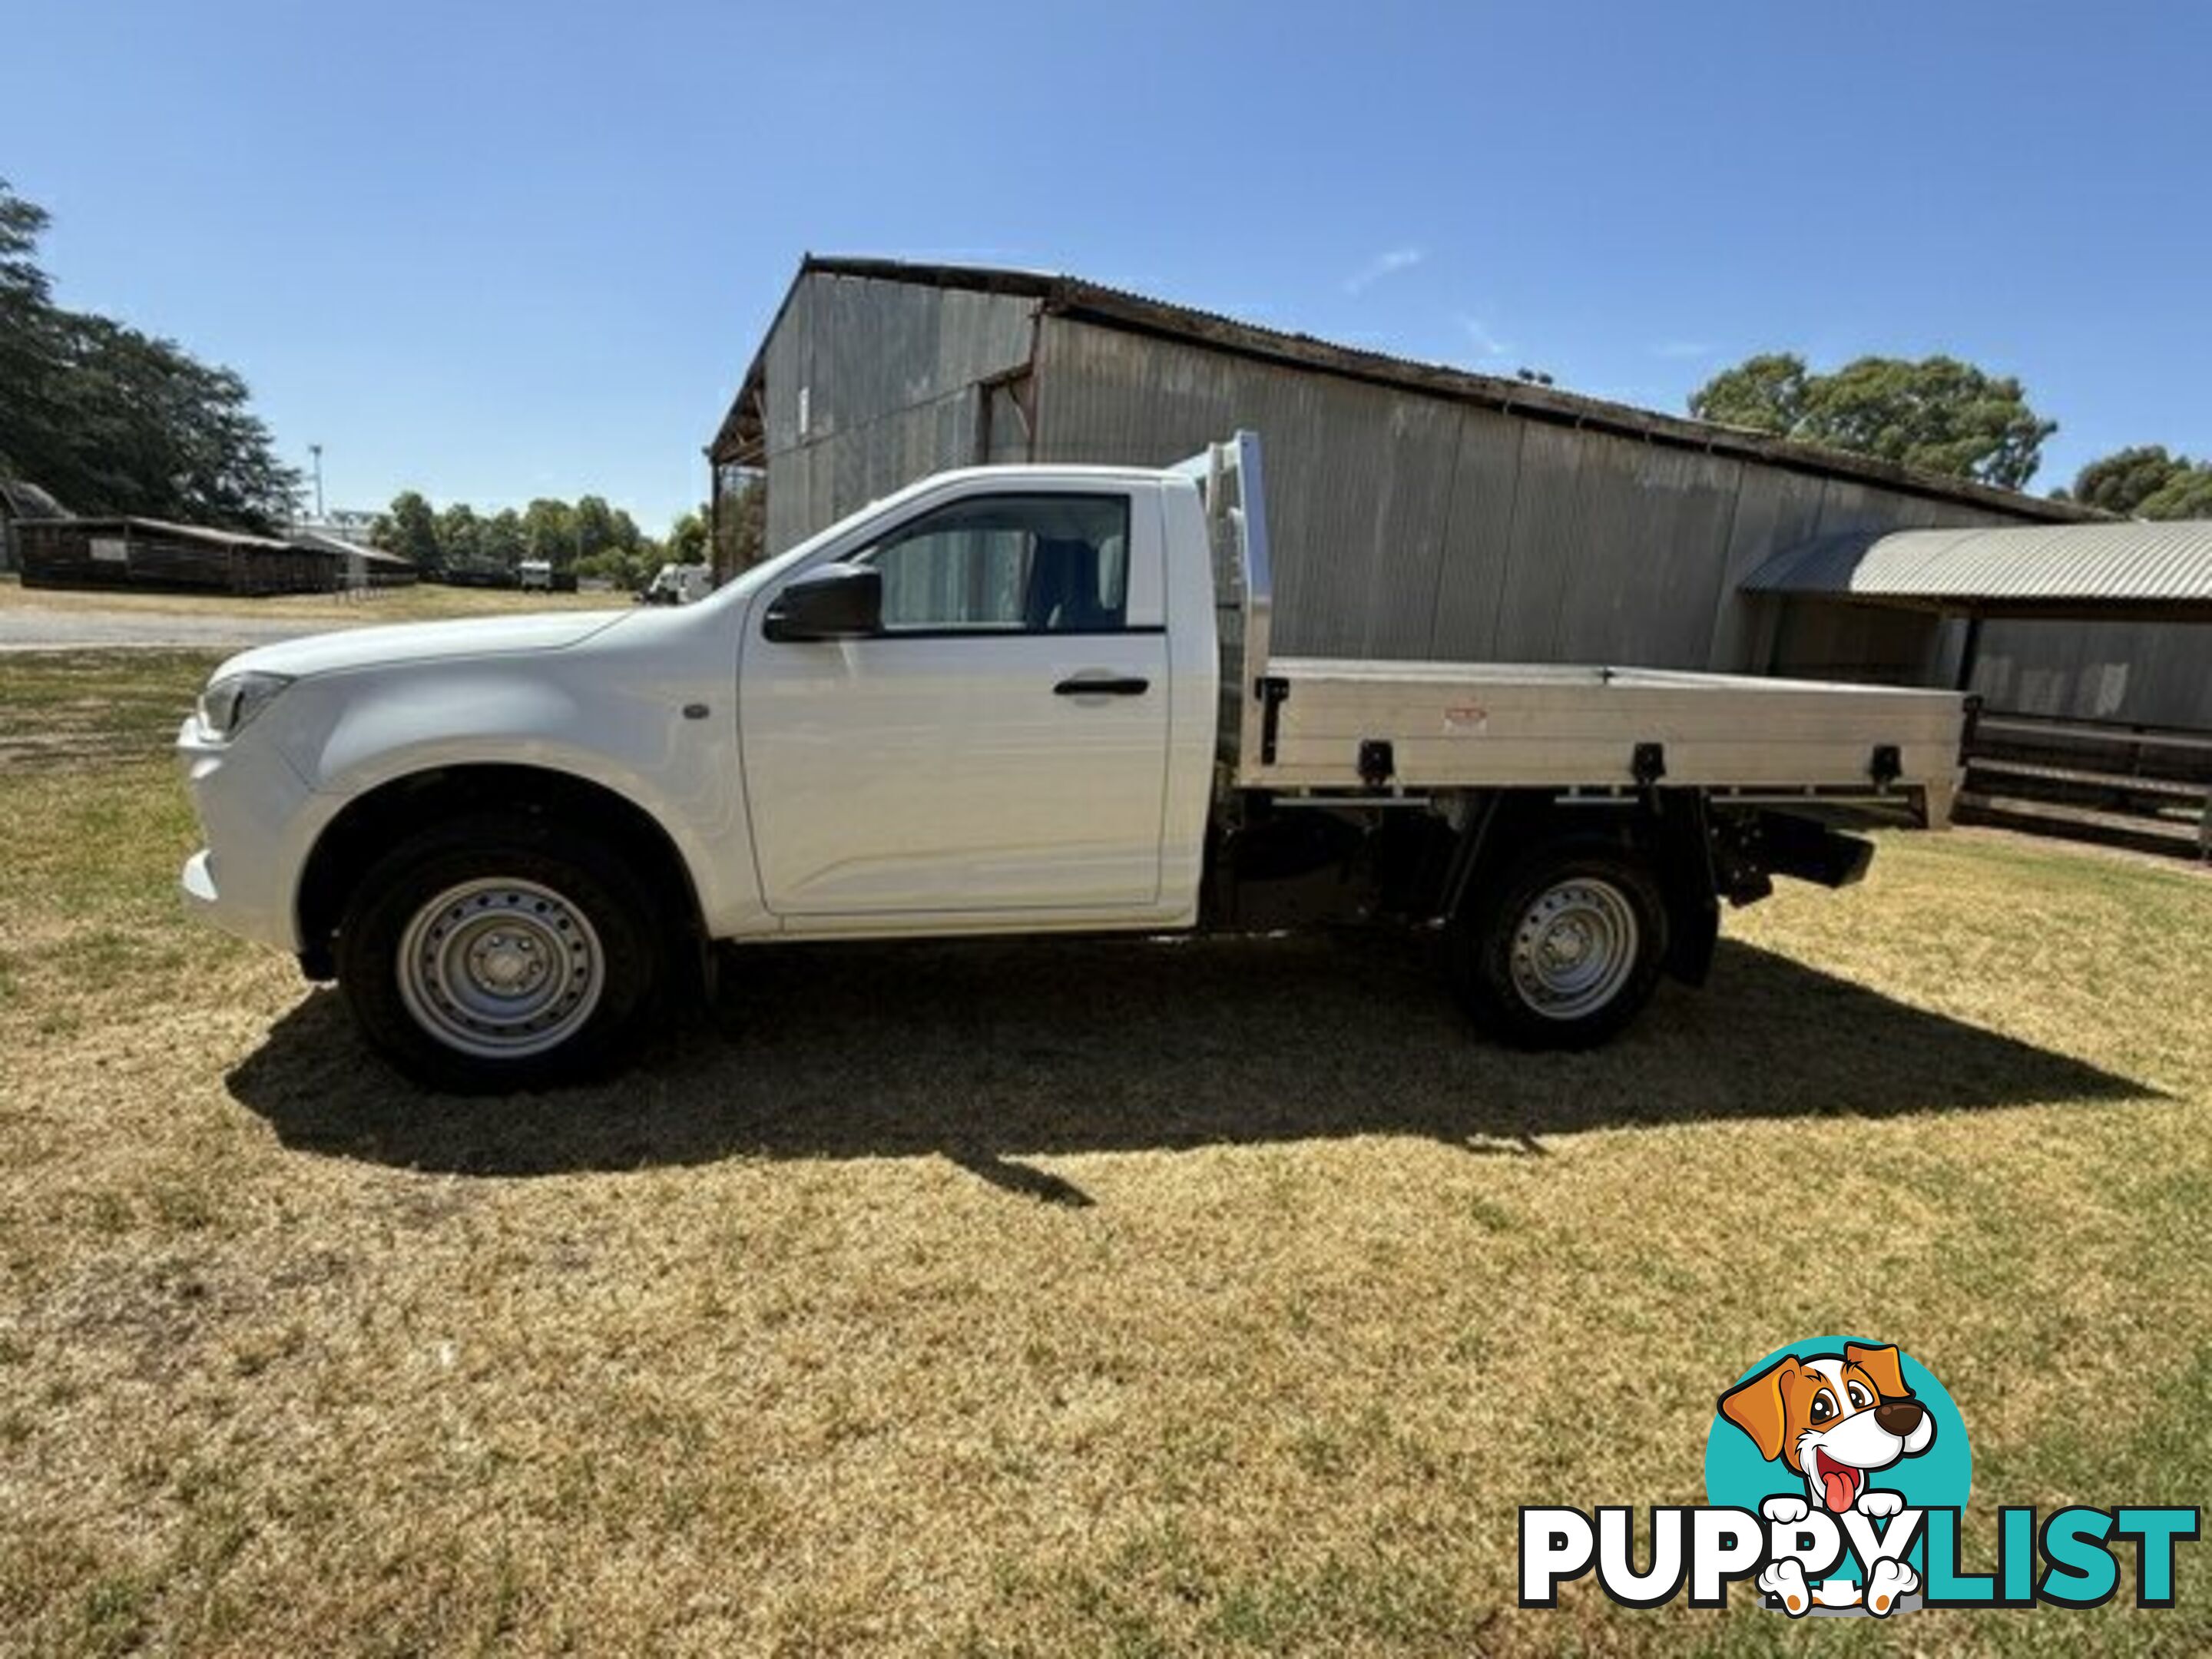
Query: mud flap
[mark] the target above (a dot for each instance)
(1685, 873)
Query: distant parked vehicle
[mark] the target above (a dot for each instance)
(537, 575)
(677, 584)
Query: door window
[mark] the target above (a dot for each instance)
(1008, 564)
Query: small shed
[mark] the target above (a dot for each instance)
(2089, 643)
(360, 566)
(152, 555)
(2084, 620)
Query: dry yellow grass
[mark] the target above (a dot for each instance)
(1212, 1296)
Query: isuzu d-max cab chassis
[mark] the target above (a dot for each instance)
(1004, 700)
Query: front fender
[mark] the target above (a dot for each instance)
(621, 724)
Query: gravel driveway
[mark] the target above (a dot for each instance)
(51, 630)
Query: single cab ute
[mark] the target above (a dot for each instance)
(1004, 700)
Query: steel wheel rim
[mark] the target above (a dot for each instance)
(1574, 948)
(501, 969)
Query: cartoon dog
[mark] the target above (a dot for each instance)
(1833, 1419)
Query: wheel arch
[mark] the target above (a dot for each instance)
(1669, 831)
(373, 821)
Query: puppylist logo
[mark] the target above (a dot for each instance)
(1837, 1471)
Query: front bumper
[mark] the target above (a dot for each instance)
(258, 818)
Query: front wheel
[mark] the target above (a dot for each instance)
(493, 954)
(1565, 950)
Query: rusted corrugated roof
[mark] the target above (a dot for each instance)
(2085, 566)
(1096, 302)
(131, 524)
(317, 541)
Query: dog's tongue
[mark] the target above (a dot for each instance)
(1839, 1483)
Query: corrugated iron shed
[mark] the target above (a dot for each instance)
(743, 436)
(376, 555)
(125, 552)
(207, 535)
(363, 566)
(2160, 570)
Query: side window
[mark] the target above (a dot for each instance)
(1009, 564)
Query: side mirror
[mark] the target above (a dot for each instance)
(832, 602)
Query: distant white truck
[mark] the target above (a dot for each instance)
(679, 584)
(1005, 700)
(535, 575)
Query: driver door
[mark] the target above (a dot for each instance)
(999, 745)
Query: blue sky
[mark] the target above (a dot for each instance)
(501, 251)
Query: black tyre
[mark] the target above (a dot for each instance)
(495, 953)
(1564, 949)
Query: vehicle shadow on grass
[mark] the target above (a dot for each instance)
(982, 1052)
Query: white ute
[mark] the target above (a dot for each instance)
(1005, 700)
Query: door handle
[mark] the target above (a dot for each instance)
(1104, 686)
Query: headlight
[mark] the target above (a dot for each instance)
(229, 702)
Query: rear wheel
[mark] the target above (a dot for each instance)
(1563, 950)
(492, 953)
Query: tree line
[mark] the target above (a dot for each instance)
(1943, 416)
(2144, 482)
(111, 421)
(587, 536)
